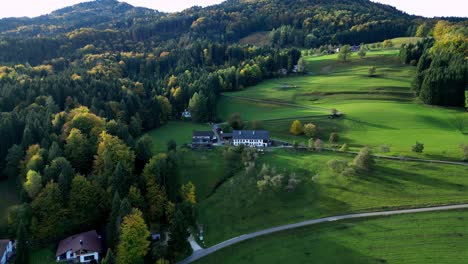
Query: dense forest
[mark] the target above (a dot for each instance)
(78, 88)
(442, 67)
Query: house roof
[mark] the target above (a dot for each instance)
(250, 134)
(3, 245)
(89, 241)
(226, 135)
(203, 134)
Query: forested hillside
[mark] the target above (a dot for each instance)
(78, 88)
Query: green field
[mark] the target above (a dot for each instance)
(43, 256)
(237, 207)
(204, 169)
(379, 110)
(9, 198)
(438, 237)
(180, 132)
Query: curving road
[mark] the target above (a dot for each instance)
(204, 252)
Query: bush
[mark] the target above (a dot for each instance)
(418, 147)
(372, 71)
(384, 149)
(235, 121)
(337, 165)
(318, 144)
(334, 137)
(296, 128)
(465, 152)
(344, 147)
(364, 159)
(348, 172)
(310, 130)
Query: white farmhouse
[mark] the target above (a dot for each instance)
(82, 248)
(251, 138)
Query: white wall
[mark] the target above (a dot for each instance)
(95, 254)
(249, 142)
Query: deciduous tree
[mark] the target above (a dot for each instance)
(134, 243)
(296, 128)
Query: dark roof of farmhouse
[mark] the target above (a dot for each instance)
(250, 134)
(89, 241)
(203, 134)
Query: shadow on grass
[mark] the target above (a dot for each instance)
(298, 246)
(392, 178)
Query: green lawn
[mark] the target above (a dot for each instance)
(251, 110)
(205, 169)
(179, 131)
(238, 207)
(437, 237)
(378, 110)
(9, 198)
(43, 256)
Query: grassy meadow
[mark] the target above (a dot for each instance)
(380, 110)
(436, 237)
(238, 207)
(180, 132)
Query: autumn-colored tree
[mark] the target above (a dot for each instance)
(188, 193)
(296, 128)
(134, 242)
(156, 199)
(33, 183)
(166, 108)
(310, 130)
(112, 150)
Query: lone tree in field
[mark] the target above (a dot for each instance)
(301, 65)
(465, 152)
(334, 137)
(235, 121)
(296, 128)
(318, 144)
(372, 71)
(364, 159)
(345, 53)
(310, 130)
(362, 51)
(418, 147)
